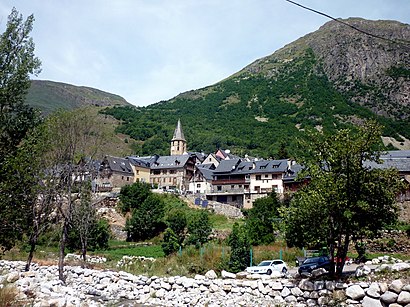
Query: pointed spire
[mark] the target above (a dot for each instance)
(178, 134)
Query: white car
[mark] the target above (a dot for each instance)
(268, 266)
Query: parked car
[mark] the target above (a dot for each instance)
(268, 266)
(314, 263)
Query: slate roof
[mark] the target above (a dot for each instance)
(269, 166)
(292, 172)
(395, 154)
(200, 156)
(227, 154)
(206, 171)
(175, 161)
(227, 166)
(137, 161)
(238, 166)
(178, 134)
(398, 159)
(119, 165)
(401, 164)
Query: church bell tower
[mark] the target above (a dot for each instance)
(178, 142)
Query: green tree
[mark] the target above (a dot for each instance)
(17, 62)
(260, 219)
(345, 199)
(170, 242)
(177, 221)
(87, 231)
(75, 137)
(146, 221)
(199, 228)
(282, 151)
(240, 245)
(98, 234)
(132, 196)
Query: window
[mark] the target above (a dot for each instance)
(257, 188)
(234, 198)
(219, 188)
(258, 177)
(172, 171)
(198, 185)
(275, 188)
(232, 187)
(128, 178)
(266, 176)
(170, 179)
(122, 177)
(157, 172)
(240, 186)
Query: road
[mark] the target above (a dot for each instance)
(348, 269)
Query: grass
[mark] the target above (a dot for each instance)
(276, 250)
(115, 254)
(189, 262)
(221, 222)
(8, 295)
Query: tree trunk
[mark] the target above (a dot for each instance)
(342, 253)
(62, 252)
(33, 243)
(83, 253)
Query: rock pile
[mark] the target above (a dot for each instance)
(88, 258)
(85, 287)
(225, 209)
(127, 261)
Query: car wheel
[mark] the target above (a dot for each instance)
(284, 270)
(269, 272)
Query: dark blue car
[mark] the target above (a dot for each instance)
(314, 263)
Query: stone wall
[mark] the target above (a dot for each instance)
(85, 287)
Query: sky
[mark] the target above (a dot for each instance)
(151, 50)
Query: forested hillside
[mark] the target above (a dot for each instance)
(271, 102)
(49, 96)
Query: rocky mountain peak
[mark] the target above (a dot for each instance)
(372, 71)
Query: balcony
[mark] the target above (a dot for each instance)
(226, 191)
(229, 181)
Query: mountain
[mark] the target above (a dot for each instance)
(49, 96)
(332, 78)
(373, 72)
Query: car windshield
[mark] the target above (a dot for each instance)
(310, 260)
(264, 263)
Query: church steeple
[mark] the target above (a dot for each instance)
(178, 142)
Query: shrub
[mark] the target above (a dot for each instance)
(199, 228)
(8, 295)
(170, 244)
(239, 242)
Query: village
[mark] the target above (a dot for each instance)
(220, 176)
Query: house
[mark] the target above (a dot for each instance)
(172, 172)
(175, 171)
(266, 176)
(239, 182)
(225, 154)
(113, 173)
(201, 181)
(399, 160)
(212, 158)
(140, 168)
